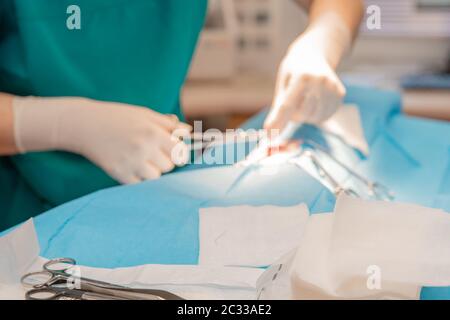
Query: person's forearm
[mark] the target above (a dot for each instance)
(350, 11)
(333, 25)
(7, 143)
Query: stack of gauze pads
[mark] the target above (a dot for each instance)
(364, 250)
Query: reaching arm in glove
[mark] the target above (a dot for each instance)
(308, 89)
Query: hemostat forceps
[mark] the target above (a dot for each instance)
(52, 283)
(206, 140)
(337, 188)
(374, 189)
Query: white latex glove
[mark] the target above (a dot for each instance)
(308, 89)
(130, 143)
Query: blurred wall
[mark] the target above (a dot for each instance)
(410, 40)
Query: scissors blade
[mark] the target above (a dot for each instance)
(129, 293)
(200, 141)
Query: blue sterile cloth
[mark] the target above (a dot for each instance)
(157, 221)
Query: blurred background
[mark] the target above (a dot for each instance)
(233, 73)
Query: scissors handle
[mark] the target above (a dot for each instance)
(67, 262)
(54, 293)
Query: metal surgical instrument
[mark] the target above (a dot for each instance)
(375, 189)
(55, 278)
(200, 140)
(324, 174)
(64, 293)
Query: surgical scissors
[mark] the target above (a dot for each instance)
(55, 278)
(202, 141)
(375, 189)
(63, 293)
(310, 149)
(337, 188)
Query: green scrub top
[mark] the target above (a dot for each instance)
(131, 51)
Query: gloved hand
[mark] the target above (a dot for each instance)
(308, 89)
(130, 143)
